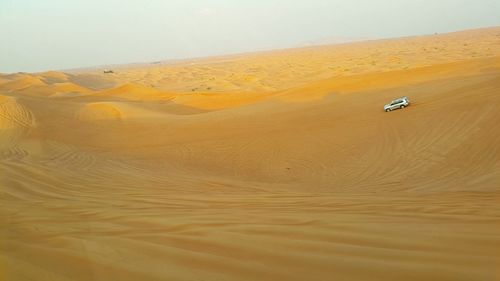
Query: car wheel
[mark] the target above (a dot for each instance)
(387, 110)
(402, 107)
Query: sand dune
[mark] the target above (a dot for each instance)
(135, 92)
(68, 88)
(268, 166)
(99, 111)
(21, 82)
(52, 77)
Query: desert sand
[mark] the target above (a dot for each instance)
(277, 165)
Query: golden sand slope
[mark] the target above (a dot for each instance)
(99, 111)
(21, 82)
(134, 92)
(278, 173)
(15, 122)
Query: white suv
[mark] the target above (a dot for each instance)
(397, 104)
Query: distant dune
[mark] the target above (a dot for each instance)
(277, 165)
(335, 40)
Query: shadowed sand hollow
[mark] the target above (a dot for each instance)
(269, 166)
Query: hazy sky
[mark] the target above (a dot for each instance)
(40, 35)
